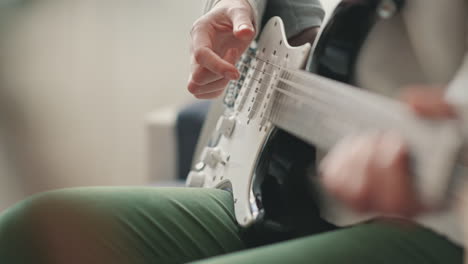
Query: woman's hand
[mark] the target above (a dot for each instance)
(218, 40)
(369, 173)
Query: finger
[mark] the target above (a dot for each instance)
(394, 193)
(211, 95)
(344, 172)
(361, 172)
(203, 76)
(428, 102)
(204, 55)
(431, 107)
(196, 89)
(231, 56)
(208, 59)
(331, 166)
(243, 28)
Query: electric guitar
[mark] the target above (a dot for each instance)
(277, 115)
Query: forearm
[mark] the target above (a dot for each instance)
(258, 6)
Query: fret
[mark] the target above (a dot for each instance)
(254, 75)
(262, 89)
(312, 123)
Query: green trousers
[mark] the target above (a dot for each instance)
(170, 225)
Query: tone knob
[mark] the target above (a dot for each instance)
(226, 125)
(212, 156)
(196, 179)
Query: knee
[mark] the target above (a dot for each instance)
(47, 225)
(44, 214)
(28, 228)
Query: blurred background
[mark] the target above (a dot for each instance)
(84, 88)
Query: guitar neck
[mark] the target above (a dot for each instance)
(322, 112)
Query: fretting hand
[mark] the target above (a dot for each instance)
(370, 173)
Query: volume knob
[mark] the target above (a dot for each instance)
(212, 156)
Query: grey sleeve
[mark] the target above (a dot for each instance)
(297, 15)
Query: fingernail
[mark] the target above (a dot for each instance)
(231, 75)
(244, 26)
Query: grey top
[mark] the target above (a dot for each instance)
(297, 15)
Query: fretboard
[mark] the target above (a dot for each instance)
(322, 112)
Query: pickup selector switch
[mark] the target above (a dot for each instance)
(226, 125)
(196, 179)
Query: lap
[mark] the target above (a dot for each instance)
(370, 243)
(151, 225)
(123, 225)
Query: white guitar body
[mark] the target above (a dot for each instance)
(230, 160)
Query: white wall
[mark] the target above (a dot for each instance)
(82, 75)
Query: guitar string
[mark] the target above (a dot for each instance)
(276, 88)
(292, 74)
(249, 67)
(279, 108)
(283, 112)
(298, 86)
(302, 94)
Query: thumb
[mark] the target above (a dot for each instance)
(428, 102)
(243, 27)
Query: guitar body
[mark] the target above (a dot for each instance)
(262, 149)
